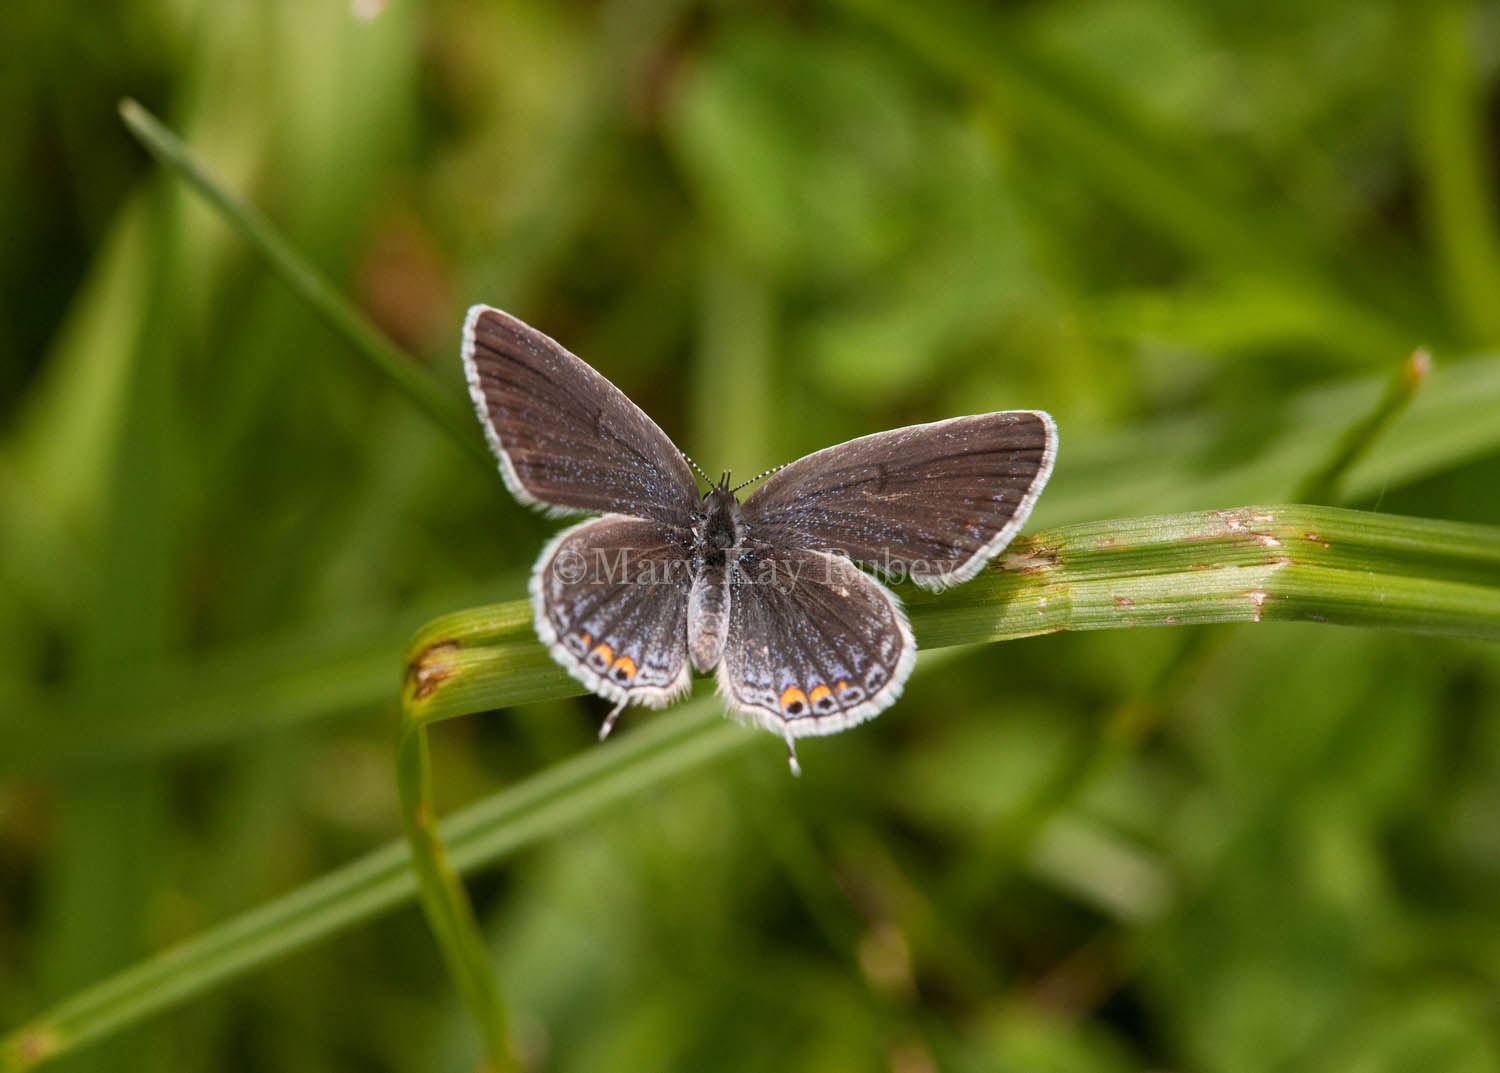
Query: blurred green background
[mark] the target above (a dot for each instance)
(1201, 235)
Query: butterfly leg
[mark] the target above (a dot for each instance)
(791, 754)
(609, 720)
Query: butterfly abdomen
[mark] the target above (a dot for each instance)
(708, 614)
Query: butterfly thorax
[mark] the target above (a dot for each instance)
(721, 526)
(718, 537)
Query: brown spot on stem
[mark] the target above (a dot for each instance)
(427, 669)
(1028, 557)
(1239, 521)
(1124, 602)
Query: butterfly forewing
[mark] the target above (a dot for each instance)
(610, 598)
(813, 645)
(566, 437)
(934, 502)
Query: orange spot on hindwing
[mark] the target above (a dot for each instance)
(821, 699)
(793, 701)
(601, 657)
(622, 669)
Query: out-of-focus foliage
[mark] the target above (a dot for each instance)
(1183, 228)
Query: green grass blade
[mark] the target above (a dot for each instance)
(237, 693)
(366, 339)
(1181, 194)
(1322, 486)
(178, 704)
(1451, 420)
(107, 847)
(378, 881)
(1452, 153)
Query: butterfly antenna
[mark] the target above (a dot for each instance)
(791, 753)
(758, 476)
(609, 720)
(696, 468)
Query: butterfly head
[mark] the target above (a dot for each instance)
(721, 515)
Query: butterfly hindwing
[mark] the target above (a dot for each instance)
(934, 501)
(610, 600)
(814, 645)
(567, 438)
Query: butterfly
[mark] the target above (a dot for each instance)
(671, 579)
